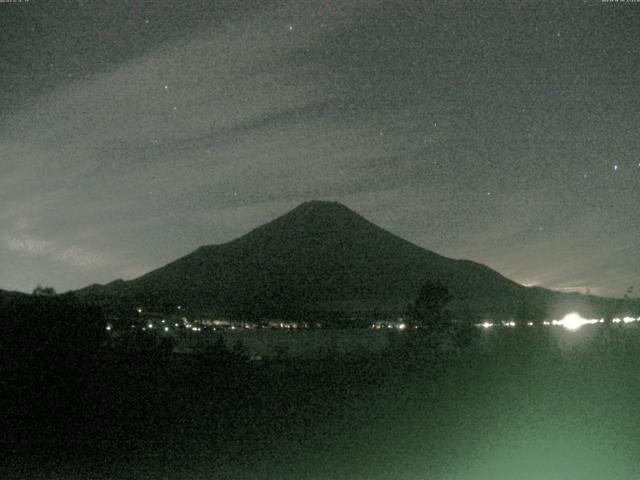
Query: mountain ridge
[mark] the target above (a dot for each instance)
(324, 257)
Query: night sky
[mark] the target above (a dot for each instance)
(502, 132)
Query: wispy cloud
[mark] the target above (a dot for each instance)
(74, 255)
(454, 141)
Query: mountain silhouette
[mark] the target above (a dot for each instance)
(322, 258)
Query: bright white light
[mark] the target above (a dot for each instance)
(108, 328)
(616, 320)
(628, 319)
(139, 310)
(402, 326)
(150, 325)
(529, 324)
(166, 329)
(486, 325)
(574, 321)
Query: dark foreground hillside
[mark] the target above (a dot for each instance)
(530, 404)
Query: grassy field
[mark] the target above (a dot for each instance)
(539, 403)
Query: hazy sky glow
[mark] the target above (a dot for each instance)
(506, 134)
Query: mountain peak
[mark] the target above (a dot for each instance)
(312, 219)
(321, 260)
(320, 203)
(323, 206)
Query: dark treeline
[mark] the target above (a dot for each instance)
(48, 347)
(40, 324)
(71, 395)
(89, 405)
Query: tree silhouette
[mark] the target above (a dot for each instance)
(46, 291)
(429, 309)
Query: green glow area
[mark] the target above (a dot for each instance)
(534, 405)
(541, 403)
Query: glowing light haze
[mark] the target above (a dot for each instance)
(571, 321)
(574, 321)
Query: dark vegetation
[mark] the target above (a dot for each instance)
(75, 406)
(40, 325)
(416, 408)
(71, 397)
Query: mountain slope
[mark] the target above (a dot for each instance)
(319, 257)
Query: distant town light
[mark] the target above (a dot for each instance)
(166, 329)
(139, 310)
(573, 321)
(150, 325)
